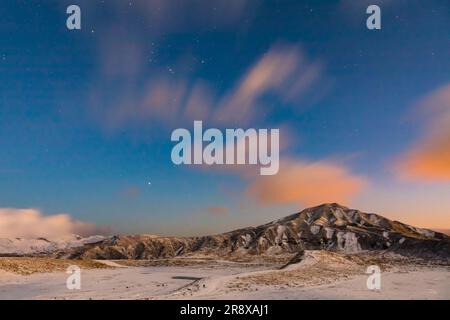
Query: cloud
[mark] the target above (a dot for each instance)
(167, 99)
(428, 159)
(120, 54)
(217, 210)
(306, 183)
(417, 204)
(135, 85)
(199, 102)
(131, 192)
(283, 70)
(135, 31)
(173, 15)
(31, 223)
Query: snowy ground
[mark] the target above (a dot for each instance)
(429, 284)
(318, 277)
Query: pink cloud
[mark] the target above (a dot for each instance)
(173, 100)
(283, 70)
(217, 210)
(31, 223)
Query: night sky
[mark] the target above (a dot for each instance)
(86, 115)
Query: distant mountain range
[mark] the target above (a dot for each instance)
(326, 227)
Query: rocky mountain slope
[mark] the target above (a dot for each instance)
(327, 227)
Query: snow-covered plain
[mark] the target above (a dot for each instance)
(313, 278)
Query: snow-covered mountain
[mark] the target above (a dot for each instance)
(327, 227)
(42, 246)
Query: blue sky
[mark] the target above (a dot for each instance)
(73, 140)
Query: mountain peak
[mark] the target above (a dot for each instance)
(329, 226)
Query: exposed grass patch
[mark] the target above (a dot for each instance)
(26, 266)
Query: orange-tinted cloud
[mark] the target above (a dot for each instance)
(417, 204)
(429, 158)
(306, 183)
(31, 223)
(132, 192)
(217, 210)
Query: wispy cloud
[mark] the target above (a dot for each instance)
(428, 159)
(127, 90)
(217, 210)
(131, 192)
(284, 71)
(31, 223)
(173, 15)
(169, 100)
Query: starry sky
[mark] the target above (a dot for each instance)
(86, 115)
